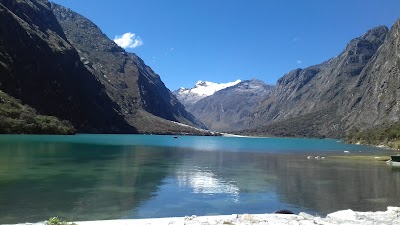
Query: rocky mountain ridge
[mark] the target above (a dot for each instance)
(358, 89)
(128, 80)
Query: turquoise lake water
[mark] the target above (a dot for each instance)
(96, 177)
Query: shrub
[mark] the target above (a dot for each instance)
(386, 135)
(57, 221)
(21, 119)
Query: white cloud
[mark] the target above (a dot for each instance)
(299, 62)
(128, 40)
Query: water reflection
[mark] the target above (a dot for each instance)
(77, 181)
(262, 182)
(213, 183)
(205, 183)
(331, 185)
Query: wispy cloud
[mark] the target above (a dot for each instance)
(299, 62)
(168, 51)
(128, 40)
(294, 40)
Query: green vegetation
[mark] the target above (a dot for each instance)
(16, 118)
(58, 221)
(228, 223)
(388, 136)
(311, 125)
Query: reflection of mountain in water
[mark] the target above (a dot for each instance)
(315, 186)
(214, 183)
(128, 180)
(327, 186)
(223, 172)
(80, 182)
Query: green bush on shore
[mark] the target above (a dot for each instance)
(57, 221)
(16, 118)
(388, 135)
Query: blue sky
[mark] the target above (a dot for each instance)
(223, 40)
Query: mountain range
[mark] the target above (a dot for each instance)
(355, 91)
(227, 107)
(60, 74)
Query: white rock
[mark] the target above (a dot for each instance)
(343, 215)
(393, 209)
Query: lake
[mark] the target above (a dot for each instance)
(97, 177)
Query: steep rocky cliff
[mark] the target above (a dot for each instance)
(40, 67)
(375, 96)
(333, 97)
(227, 109)
(127, 79)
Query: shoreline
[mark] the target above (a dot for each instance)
(349, 217)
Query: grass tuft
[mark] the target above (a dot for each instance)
(58, 221)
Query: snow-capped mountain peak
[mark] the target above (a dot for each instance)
(207, 88)
(201, 90)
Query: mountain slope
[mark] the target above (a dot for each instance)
(326, 90)
(227, 109)
(144, 100)
(17, 118)
(42, 69)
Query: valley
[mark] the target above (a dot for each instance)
(74, 72)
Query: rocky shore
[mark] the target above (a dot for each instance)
(345, 217)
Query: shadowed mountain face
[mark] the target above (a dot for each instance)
(61, 64)
(40, 67)
(227, 109)
(133, 85)
(21, 119)
(356, 89)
